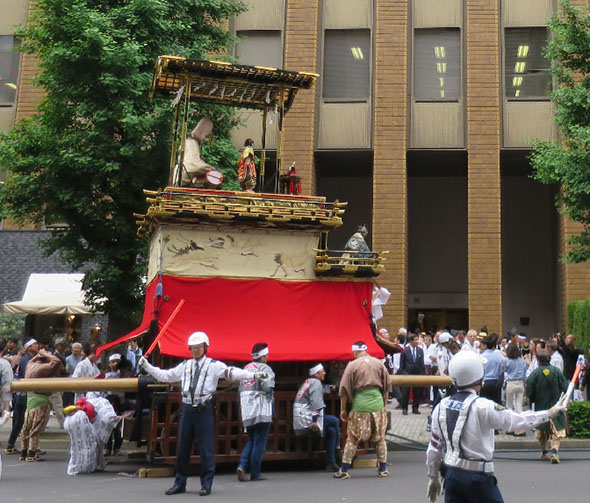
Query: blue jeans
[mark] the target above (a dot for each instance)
(462, 486)
(332, 436)
(196, 424)
(251, 458)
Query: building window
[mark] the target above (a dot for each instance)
(260, 48)
(347, 60)
(437, 64)
(526, 68)
(9, 63)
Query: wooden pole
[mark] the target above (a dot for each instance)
(77, 384)
(408, 381)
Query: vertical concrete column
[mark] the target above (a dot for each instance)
(301, 54)
(390, 205)
(483, 144)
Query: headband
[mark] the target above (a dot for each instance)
(359, 347)
(315, 369)
(260, 354)
(29, 343)
(114, 356)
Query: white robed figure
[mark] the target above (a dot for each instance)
(88, 437)
(5, 394)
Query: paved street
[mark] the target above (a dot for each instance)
(522, 476)
(522, 481)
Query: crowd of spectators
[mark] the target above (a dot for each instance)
(30, 411)
(516, 371)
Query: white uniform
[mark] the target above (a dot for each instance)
(6, 377)
(557, 360)
(87, 439)
(85, 368)
(473, 420)
(443, 357)
(207, 373)
(256, 403)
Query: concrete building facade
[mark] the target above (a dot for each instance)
(422, 119)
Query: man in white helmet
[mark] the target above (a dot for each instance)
(463, 427)
(198, 378)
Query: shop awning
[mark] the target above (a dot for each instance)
(300, 321)
(51, 294)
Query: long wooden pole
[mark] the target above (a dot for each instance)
(51, 384)
(407, 381)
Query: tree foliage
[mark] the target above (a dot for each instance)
(97, 140)
(567, 161)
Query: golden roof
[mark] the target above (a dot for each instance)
(224, 83)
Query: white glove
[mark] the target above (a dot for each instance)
(4, 417)
(433, 490)
(559, 407)
(260, 375)
(143, 362)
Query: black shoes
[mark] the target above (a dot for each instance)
(176, 489)
(205, 491)
(405, 412)
(415, 411)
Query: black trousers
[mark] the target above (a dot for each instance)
(492, 389)
(19, 407)
(196, 424)
(417, 394)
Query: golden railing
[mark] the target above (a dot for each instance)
(349, 263)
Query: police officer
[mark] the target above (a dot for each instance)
(463, 432)
(198, 378)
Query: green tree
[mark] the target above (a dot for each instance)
(96, 140)
(567, 161)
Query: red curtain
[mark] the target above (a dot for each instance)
(300, 321)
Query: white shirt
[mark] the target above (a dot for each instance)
(477, 438)
(557, 360)
(443, 357)
(85, 368)
(468, 347)
(428, 352)
(217, 370)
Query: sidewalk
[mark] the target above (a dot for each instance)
(409, 432)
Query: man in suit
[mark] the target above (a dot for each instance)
(412, 363)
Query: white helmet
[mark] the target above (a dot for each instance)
(197, 338)
(466, 368)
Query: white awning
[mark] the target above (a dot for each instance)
(51, 294)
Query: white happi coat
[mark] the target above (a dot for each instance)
(85, 368)
(256, 405)
(309, 400)
(87, 439)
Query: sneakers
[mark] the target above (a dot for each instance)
(23, 455)
(241, 474)
(554, 458)
(11, 450)
(544, 456)
(383, 473)
(341, 475)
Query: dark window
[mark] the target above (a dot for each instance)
(9, 63)
(260, 48)
(347, 64)
(526, 68)
(437, 63)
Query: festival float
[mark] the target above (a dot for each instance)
(245, 266)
